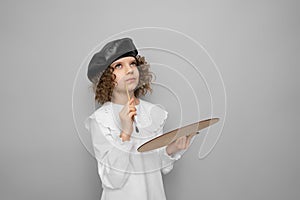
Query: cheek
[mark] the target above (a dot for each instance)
(137, 72)
(117, 76)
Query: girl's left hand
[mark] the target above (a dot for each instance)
(181, 143)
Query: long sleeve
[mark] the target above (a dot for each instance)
(111, 153)
(168, 160)
(160, 115)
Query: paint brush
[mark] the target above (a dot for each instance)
(136, 128)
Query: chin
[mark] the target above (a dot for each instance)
(130, 87)
(133, 86)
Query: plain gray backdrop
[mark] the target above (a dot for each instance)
(254, 43)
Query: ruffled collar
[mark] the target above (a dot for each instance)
(150, 118)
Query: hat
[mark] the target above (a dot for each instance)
(108, 54)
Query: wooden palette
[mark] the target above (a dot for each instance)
(171, 136)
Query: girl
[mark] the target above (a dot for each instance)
(120, 125)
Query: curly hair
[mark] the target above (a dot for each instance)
(105, 82)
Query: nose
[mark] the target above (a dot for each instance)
(129, 70)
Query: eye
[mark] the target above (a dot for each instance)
(118, 66)
(133, 63)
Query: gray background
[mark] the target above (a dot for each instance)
(254, 43)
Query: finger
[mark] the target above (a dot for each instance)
(185, 142)
(132, 109)
(131, 114)
(189, 138)
(183, 138)
(130, 101)
(178, 141)
(181, 142)
(191, 135)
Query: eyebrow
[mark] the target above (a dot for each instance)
(119, 62)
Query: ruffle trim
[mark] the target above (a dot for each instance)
(103, 116)
(157, 117)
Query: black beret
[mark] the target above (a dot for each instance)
(108, 54)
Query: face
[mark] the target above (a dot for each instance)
(126, 72)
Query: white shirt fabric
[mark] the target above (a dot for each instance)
(126, 173)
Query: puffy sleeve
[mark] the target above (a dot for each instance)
(167, 161)
(112, 154)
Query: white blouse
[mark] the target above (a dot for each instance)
(126, 173)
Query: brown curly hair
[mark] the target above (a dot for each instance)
(105, 82)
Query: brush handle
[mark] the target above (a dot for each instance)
(136, 128)
(133, 117)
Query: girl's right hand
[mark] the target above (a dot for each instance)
(126, 116)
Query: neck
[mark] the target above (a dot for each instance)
(122, 98)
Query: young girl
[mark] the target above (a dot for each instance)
(120, 125)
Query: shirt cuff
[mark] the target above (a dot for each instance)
(124, 145)
(173, 157)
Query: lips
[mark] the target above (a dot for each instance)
(130, 79)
